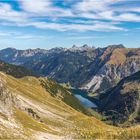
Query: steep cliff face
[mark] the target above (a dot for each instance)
(121, 62)
(93, 69)
(64, 67)
(122, 102)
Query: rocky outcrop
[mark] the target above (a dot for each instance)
(6, 99)
(121, 63)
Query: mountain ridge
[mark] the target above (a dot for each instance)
(92, 69)
(16, 71)
(121, 102)
(38, 108)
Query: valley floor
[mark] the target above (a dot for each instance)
(28, 111)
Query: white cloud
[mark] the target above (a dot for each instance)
(26, 36)
(125, 16)
(128, 17)
(7, 13)
(44, 8)
(92, 5)
(38, 6)
(78, 27)
(94, 10)
(104, 10)
(95, 26)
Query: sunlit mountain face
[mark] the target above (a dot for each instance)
(51, 23)
(86, 67)
(69, 69)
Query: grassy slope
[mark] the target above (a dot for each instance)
(16, 71)
(123, 99)
(63, 94)
(56, 118)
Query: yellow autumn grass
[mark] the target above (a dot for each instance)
(69, 123)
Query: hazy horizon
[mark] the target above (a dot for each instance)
(25, 48)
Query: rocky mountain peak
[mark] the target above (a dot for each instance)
(85, 47)
(56, 50)
(116, 46)
(91, 66)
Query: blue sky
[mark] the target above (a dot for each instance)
(62, 23)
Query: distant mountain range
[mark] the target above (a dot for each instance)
(85, 67)
(32, 106)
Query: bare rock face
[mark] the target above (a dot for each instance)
(89, 68)
(121, 63)
(6, 99)
(9, 99)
